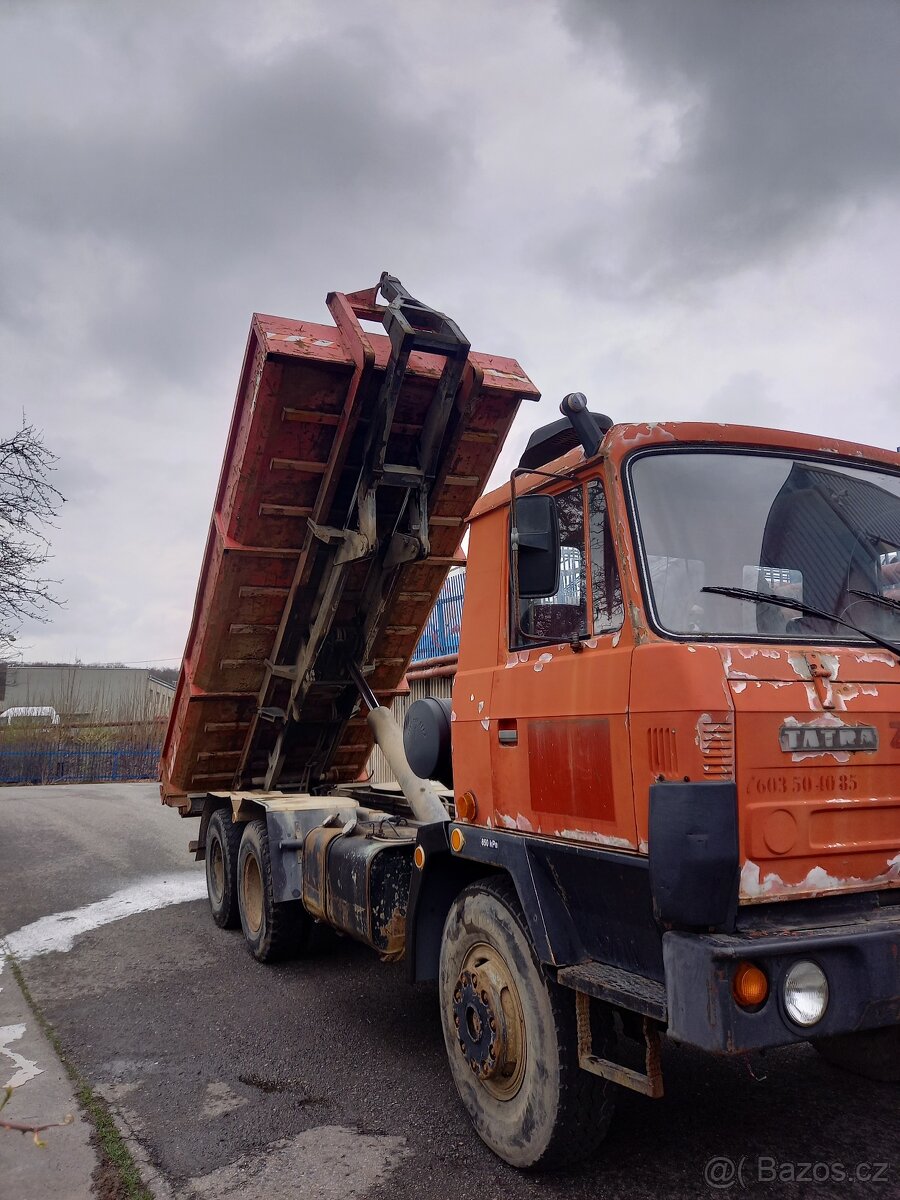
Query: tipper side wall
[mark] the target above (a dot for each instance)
(301, 439)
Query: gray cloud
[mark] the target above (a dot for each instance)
(179, 158)
(785, 121)
(685, 209)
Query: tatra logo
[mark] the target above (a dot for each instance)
(795, 738)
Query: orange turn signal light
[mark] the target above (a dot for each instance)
(419, 857)
(749, 985)
(466, 807)
(457, 841)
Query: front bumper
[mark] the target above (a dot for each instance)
(860, 959)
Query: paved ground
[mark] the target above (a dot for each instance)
(327, 1077)
(42, 1093)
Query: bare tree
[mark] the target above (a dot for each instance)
(29, 504)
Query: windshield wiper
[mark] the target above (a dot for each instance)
(886, 601)
(800, 607)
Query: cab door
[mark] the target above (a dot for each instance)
(560, 756)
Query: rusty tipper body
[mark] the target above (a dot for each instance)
(665, 800)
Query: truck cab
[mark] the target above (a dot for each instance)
(695, 738)
(634, 675)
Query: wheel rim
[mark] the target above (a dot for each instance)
(216, 869)
(490, 1026)
(252, 894)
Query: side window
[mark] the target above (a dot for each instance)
(606, 588)
(561, 617)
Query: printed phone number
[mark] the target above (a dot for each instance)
(837, 783)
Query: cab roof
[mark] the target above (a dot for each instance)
(621, 440)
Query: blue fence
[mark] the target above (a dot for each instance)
(79, 765)
(441, 635)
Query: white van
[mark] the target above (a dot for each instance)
(41, 715)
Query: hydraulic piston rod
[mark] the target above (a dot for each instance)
(423, 799)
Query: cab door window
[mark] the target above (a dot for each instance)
(606, 588)
(563, 616)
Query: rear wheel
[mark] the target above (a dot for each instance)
(273, 931)
(511, 1037)
(223, 839)
(872, 1053)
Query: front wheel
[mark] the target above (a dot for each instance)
(511, 1037)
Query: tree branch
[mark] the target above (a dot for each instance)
(29, 504)
(25, 1127)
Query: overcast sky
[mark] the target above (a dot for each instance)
(684, 208)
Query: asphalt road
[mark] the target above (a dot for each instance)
(326, 1077)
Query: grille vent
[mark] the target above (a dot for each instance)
(715, 737)
(661, 750)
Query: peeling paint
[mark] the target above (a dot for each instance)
(539, 665)
(519, 822)
(702, 720)
(647, 431)
(817, 879)
(732, 672)
(598, 839)
(485, 723)
(480, 706)
(830, 662)
(505, 375)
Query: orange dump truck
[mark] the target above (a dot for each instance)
(666, 798)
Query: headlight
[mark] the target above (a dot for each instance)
(805, 993)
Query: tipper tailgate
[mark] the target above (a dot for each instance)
(331, 424)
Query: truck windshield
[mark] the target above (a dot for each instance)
(808, 530)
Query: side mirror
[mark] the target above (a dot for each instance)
(536, 535)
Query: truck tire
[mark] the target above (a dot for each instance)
(273, 931)
(223, 839)
(872, 1053)
(511, 1037)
